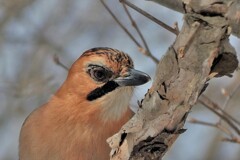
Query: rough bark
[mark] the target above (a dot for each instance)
(200, 52)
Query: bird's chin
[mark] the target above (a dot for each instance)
(116, 103)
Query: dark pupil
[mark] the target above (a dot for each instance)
(99, 74)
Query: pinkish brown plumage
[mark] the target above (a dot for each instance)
(90, 106)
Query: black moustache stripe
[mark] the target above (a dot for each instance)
(101, 91)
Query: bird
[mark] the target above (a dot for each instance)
(91, 105)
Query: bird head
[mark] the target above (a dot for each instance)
(105, 76)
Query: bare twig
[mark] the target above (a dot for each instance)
(141, 49)
(134, 24)
(164, 25)
(58, 62)
(233, 140)
(120, 24)
(216, 125)
(218, 111)
(229, 96)
(176, 26)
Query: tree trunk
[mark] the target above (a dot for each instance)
(200, 52)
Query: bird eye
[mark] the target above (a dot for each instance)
(99, 73)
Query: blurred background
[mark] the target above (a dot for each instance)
(33, 31)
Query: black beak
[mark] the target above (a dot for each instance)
(134, 78)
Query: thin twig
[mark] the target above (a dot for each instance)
(120, 24)
(215, 108)
(225, 105)
(219, 109)
(134, 24)
(58, 62)
(228, 115)
(164, 25)
(228, 98)
(233, 140)
(215, 125)
(141, 49)
(175, 26)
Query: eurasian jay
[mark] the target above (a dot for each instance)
(90, 106)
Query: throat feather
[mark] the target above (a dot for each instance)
(115, 104)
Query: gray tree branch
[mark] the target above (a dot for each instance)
(200, 52)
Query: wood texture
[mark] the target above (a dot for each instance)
(200, 52)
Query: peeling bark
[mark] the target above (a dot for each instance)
(200, 52)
